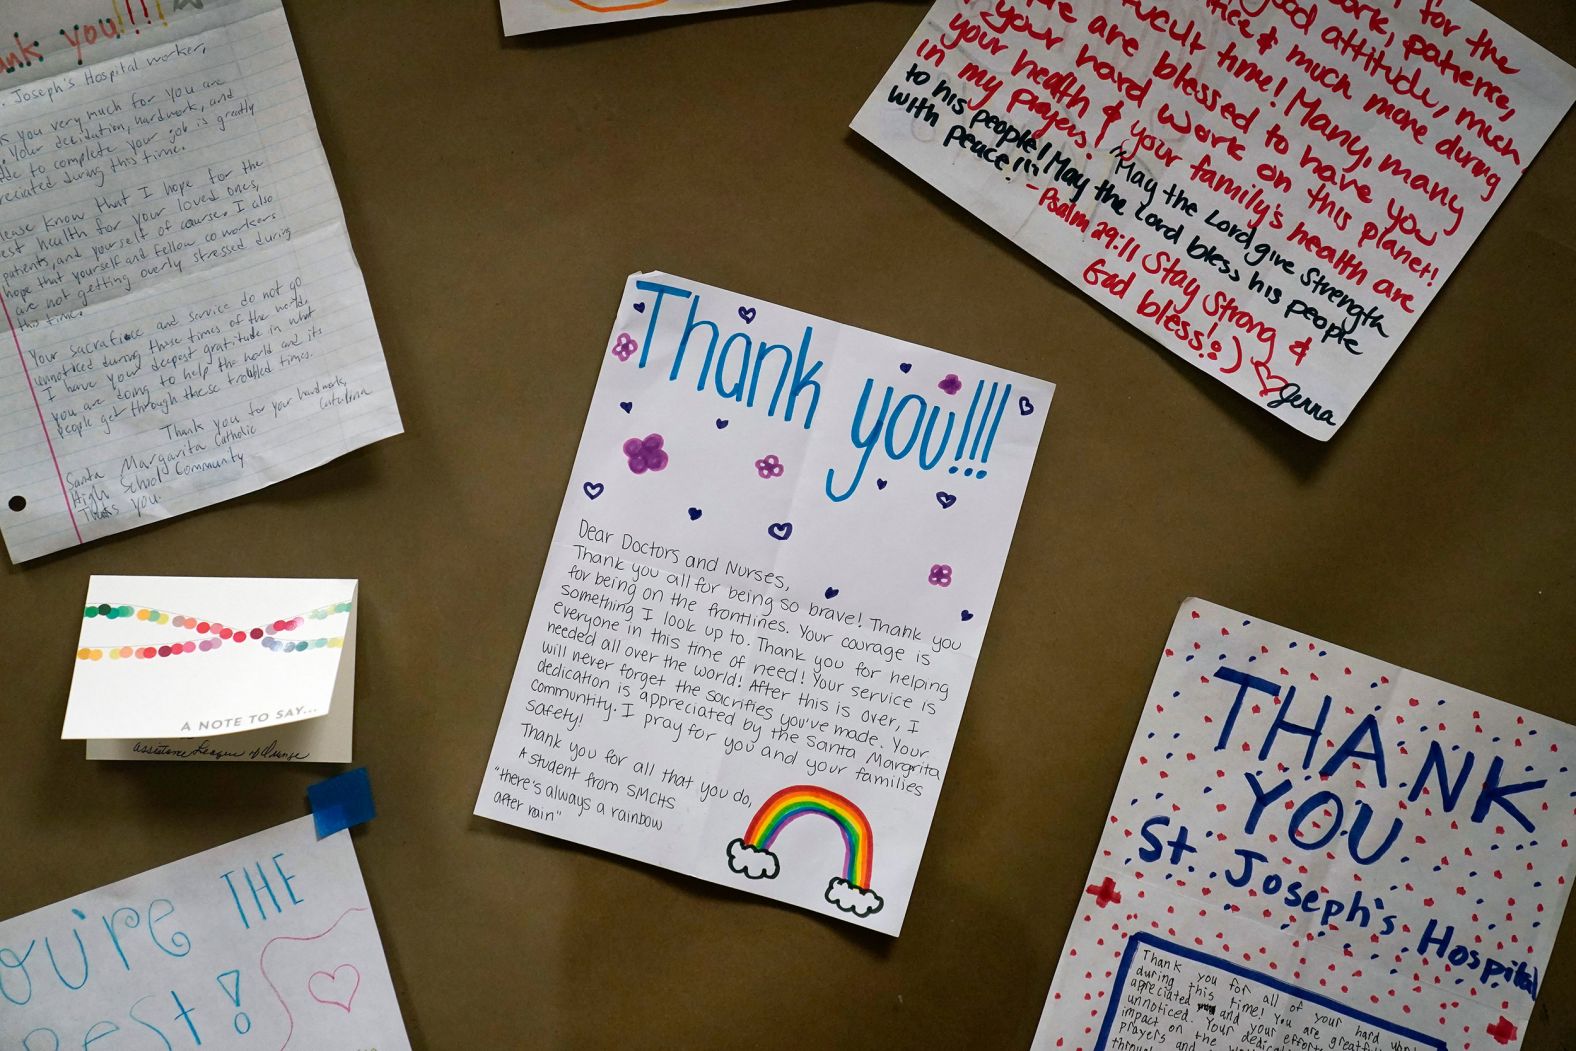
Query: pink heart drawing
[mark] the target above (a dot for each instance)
(332, 987)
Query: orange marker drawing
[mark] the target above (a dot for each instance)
(603, 9)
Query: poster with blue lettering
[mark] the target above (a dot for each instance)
(265, 942)
(1310, 848)
(764, 599)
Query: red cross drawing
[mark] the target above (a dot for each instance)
(1503, 1030)
(1105, 894)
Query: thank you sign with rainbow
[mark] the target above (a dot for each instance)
(779, 546)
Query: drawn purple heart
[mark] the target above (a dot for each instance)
(626, 405)
(905, 366)
(946, 500)
(1025, 406)
(832, 592)
(593, 489)
(880, 483)
(748, 314)
(694, 513)
(640, 308)
(722, 425)
(780, 530)
(967, 615)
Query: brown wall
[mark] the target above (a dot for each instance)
(497, 193)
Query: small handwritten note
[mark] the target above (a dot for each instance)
(1310, 848)
(215, 668)
(531, 16)
(1173, 998)
(185, 320)
(268, 941)
(1274, 192)
(764, 599)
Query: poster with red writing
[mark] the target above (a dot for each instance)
(1272, 190)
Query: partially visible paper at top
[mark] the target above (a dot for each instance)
(1310, 849)
(200, 658)
(530, 16)
(1273, 192)
(766, 593)
(266, 942)
(182, 319)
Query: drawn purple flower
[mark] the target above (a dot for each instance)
(646, 454)
(624, 346)
(941, 575)
(950, 383)
(769, 466)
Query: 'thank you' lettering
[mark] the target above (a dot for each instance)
(1331, 838)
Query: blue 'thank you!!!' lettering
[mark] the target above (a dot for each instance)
(783, 379)
(887, 428)
(739, 379)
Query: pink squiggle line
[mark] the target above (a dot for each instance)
(261, 966)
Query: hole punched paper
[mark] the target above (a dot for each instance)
(184, 317)
(531, 16)
(765, 596)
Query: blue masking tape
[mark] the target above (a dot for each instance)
(342, 802)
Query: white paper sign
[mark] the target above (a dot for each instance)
(764, 599)
(203, 658)
(184, 320)
(1310, 848)
(530, 16)
(268, 941)
(1275, 192)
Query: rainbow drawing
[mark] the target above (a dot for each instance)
(797, 801)
(752, 856)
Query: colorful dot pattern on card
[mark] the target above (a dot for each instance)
(215, 634)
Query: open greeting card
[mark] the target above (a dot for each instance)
(215, 668)
(266, 942)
